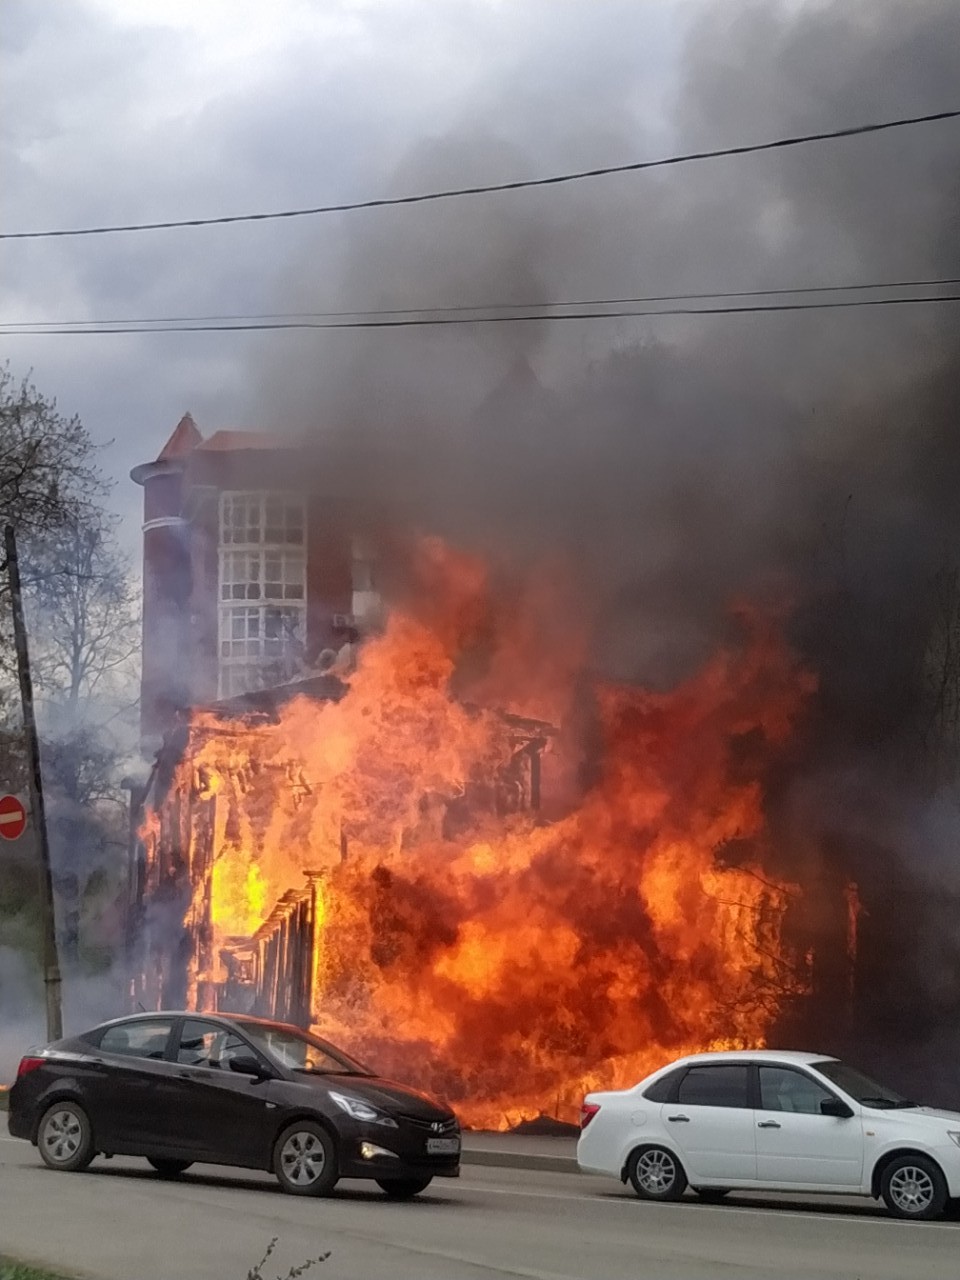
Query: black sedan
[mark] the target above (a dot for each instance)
(182, 1087)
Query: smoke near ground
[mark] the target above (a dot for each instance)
(679, 463)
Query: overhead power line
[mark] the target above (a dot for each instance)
(489, 188)
(423, 322)
(462, 308)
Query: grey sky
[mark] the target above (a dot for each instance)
(139, 109)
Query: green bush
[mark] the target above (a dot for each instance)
(12, 1270)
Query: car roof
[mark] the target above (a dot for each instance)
(797, 1057)
(219, 1016)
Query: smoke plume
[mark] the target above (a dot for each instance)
(676, 464)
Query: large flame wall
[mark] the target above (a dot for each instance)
(505, 962)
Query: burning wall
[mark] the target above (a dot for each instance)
(455, 934)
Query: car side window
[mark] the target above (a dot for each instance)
(783, 1089)
(138, 1039)
(714, 1086)
(664, 1089)
(205, 1044)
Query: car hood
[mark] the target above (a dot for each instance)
(935, 1114)
(388, 1095)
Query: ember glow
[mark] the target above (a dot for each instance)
(505, 958)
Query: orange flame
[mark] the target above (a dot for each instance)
(502, 961)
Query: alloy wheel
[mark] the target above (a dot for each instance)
(656, 1172)
(912, 1190)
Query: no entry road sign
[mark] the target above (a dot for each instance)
(13, 818)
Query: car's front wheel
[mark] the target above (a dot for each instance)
(656, 1174)
(169, 1168)
(65, 1138)
(914, 1187)
(305, 1160)
(403, 1188)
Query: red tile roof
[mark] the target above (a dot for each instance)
(230, 441)
(184, 440)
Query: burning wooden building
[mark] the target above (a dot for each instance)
(235, 832)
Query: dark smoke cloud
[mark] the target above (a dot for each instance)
(694, 455)
(681, 462)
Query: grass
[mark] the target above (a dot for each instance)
(10, 1269)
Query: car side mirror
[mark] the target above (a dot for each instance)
(835, 1107)
(245, 1064)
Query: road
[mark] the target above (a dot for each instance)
(117, 1221)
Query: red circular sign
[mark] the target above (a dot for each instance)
(13, 818)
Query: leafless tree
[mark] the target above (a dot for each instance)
(82, 603)
(48, 465)
(84, 632)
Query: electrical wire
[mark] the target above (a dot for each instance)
(481, 306)
(442, 322)
(489, 188)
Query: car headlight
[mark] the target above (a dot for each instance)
(360, 1109)
(954, 1136)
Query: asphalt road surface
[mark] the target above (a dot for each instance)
(117, 1221)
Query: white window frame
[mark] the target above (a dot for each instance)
(261, 587)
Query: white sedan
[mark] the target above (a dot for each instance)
(772, 1121)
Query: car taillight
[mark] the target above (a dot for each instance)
(27, 1065)
(587, 1111)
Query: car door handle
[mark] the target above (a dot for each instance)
(679, 1119)
(768, 1124)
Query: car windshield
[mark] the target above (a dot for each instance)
(866, 1091)
(300, 1051)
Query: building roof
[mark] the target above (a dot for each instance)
(231, 441)
(184, 440)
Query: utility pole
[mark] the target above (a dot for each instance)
(51, 961)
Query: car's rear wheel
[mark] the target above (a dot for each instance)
(169, 1168)
(65, 1138)
(403, 1188)
(656, 1174)
(711, 1195)
(914, 1187)
(305, 1160)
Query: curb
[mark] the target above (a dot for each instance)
(519, 1160)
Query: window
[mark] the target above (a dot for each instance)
(241, 518)
(140, 1039)
(861, 1087)
(263, 589)
(284, 521)
(782, 1089)
(266, 575)
(250, 519)
(205, 1044)
(664, 1089)
(720, 1086)
(301, 1051)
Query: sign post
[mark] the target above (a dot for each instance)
(51, 960)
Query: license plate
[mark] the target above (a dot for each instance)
(443, 1146)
